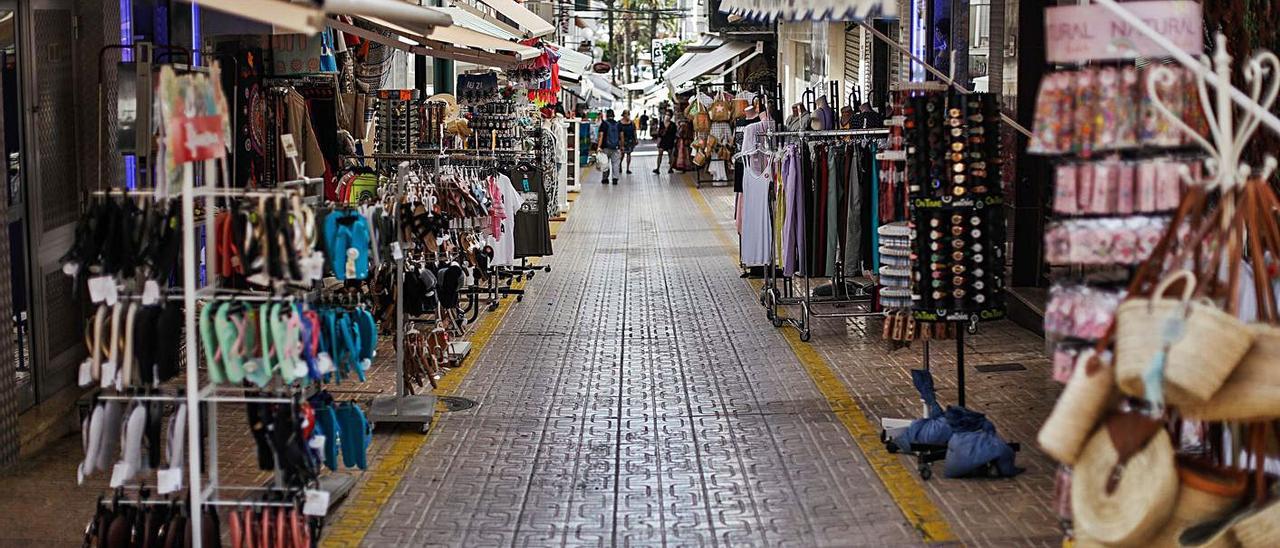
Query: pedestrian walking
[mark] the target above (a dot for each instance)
(610, 144)
(666, 143)
(628, 138)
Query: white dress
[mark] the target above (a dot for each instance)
(504, 245)
(757, 236)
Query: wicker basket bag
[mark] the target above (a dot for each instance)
(1086, 397)
(1198, 344)
(1124, 484)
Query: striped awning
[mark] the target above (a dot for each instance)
(810, 10)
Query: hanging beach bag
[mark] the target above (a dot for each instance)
(1124, 484)
(698, 117)
(1189, 343)
(722, 108)
(1088, 394)
(740, 103)
(1205, 493)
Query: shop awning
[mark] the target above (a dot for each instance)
(638, 86)
(572, 60)
(599, 82)
(468, 20)
(527, 23)
(456, 43)
(814, 10)
(699, 64)
(295, 17)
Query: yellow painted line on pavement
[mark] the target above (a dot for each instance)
(903, 487)
(363, 507)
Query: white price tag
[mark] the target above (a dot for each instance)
(317, 442)
(108, 378)
(120, 474)
(71, 269)
(317, 503)
(290, 149)
(396, 252)
(300, 368)
(85, 378)
(150, 293)
(98, 287)
(324, 363)
(168, 480)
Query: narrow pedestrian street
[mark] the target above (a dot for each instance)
(638, 397)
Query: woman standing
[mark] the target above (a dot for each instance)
(666, 143)
(629, 138)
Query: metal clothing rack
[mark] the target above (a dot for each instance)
(779, 291)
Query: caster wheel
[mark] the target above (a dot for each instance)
(805, 335)
(426, 427)
(925, 472)
(519, 298)
(493, 306)
(892, 448)
(531, 273)
(777, 321)
(547, 268)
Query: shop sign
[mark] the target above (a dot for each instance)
(602, 67)
(1078, 34)
(195, 114)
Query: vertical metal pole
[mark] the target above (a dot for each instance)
(400, 391)
(189, 327)
(960, 327)
(211, 280)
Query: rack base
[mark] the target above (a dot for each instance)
(417, 409)
(459, 350)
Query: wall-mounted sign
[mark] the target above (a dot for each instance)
(1077, 34)
(602, 67)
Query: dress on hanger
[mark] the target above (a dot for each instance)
(757, 232)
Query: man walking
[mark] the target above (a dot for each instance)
(610, 143)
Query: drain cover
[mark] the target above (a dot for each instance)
(1000, 367)
(455, 403)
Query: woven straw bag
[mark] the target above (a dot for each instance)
(1124, 484)
(740, 103)
(1201, 358)
(1087, 395)
(1205, 493)
(1252, 391)
(722, 108)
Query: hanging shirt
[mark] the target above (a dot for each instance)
(504, 243)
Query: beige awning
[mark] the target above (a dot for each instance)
(813, 10)
(527, 22)
(456, 43)
(694, 66)
(295, 17)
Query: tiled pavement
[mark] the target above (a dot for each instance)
(639, 397)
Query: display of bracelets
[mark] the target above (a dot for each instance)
(1095, 109)
(1114, 187)
(953, 147)
(1116, 241)
(959, 261)
(1080, 312)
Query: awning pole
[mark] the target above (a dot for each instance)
(941, 75)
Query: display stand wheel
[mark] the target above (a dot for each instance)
(805, 335)
(546, 268)
(493, 306)
(777, 320)
(519, 298)
(926, 471)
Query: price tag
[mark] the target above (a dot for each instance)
(97, 288)
(150, 293)
(120, 474)
(168, 480)
(71, 269)
(85, 378)
(290, 149)
(108, 378)
(396, 252)
(317, 503)
(300, 368)
(324, 363)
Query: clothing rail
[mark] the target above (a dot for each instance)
(828, 133)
